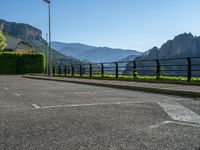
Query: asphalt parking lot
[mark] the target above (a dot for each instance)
(48, 115)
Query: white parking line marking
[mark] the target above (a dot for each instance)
(158, 125)
(90, 104)
(172, 122)
(5, 88)
(183, 123)
(180, 113)
(16, 94)
(35, 106)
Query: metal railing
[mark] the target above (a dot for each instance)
(174, 67)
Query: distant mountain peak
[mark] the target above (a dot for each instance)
(182, 45)
(184, 37)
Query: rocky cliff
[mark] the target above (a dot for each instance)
(183, 45)
(23, 31)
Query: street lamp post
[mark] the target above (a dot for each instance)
(47, 56)
(50, 51)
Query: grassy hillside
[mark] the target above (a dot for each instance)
(58, 58)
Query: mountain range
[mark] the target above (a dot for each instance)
(183, 45)
(64, 53)
(93, 53)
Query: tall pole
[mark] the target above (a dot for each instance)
(47, 55)
(50, 51)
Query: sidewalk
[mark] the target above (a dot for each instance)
(165, 88)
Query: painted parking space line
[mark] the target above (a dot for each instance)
(36, 106)
(180, 113)
(172, 122)
(5, 88)
(17, 94)
(87, 104)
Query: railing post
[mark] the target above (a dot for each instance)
(116, 70)
(90, 70)
(68, 70)
(102, 70)
(59, 70)
(189, 74)
(72, 70)
(134, 69)
(157, 69)
(48, 70)
(65, 71)
(81, 70)
(78, 70)
(53, 71)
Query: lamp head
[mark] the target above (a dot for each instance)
(47, 1)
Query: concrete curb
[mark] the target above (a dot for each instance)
(126, 87)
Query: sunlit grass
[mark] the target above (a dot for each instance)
(138, 77)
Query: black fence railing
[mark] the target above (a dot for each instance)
(175, 67)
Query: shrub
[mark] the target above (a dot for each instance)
(2, 41)
(14, 63)
(33, 63)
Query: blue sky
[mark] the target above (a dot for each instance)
(128, 24)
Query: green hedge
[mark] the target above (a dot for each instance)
(14, 63)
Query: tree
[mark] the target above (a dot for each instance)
(2, 41)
